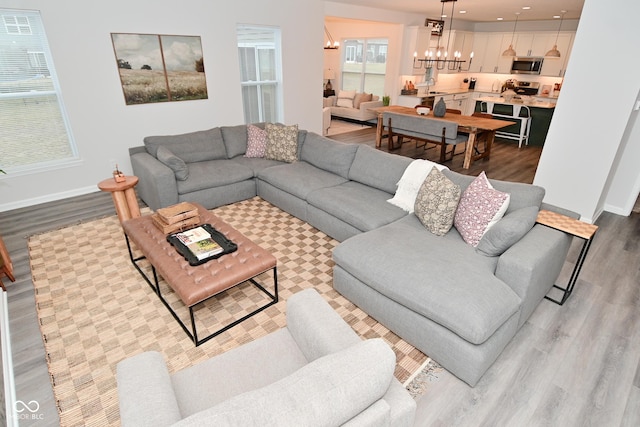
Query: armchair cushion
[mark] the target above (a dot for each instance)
(328, 391)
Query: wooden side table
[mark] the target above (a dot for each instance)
(124, 196)
(573, 227)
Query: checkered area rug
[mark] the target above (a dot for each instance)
(95, 310)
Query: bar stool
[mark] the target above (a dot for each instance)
(517, 112)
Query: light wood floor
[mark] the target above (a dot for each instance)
(573, 365)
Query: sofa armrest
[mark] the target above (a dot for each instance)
(532, 265)
(157, 185)
(145, 392)
(317, 329)
(365, 106)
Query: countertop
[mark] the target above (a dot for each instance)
(541, 100)
(532, 103)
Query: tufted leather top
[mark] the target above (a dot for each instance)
(194, 284)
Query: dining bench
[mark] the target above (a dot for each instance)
(425, 129)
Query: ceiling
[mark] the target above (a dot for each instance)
(480, 10)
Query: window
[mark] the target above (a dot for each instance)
(17, 24)
(260, 73)
(34, 131)
(364, 65)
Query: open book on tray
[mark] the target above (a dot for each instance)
(201, 244)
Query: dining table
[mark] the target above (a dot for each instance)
(473, 125)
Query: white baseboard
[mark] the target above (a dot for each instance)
(7, 363)
(48, 198)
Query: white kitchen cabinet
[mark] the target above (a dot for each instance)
(533, 44)
(556, 67)
(488, 48)
(416, 42)
(409, 100)
(460, 41)
(458, 101)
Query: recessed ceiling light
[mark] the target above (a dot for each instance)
(526, 7)
(499, 19)
(556, 16)
(463, 11)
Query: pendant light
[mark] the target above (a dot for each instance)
(510, 50)
(554, 52)
(330, 43)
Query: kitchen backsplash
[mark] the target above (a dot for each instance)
(484, 81)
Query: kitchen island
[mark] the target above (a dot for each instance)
(541, 114)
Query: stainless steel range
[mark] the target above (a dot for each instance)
(526, 88)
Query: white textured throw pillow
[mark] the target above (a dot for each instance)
(345, 98)
(410, 183)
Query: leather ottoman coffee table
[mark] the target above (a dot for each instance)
(196, 284)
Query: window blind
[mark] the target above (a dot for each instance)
(34, 131)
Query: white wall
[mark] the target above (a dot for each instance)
(588, 128)
(104, 127)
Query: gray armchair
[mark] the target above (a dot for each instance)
(314, 372)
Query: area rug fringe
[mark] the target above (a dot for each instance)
(94, 310)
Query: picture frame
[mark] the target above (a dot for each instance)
(159, 68)
(437, 26)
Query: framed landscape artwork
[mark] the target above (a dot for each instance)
(159, 68)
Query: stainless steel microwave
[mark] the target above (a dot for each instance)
(526, 65)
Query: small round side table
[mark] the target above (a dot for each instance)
(124, 196)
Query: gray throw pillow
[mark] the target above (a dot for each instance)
(436, 202)
(508, 231)
(179, 167)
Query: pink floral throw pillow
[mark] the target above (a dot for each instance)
(256, 141)
(480, 207)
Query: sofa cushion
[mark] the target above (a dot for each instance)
(520, 195)
(439, 277)
(508, 231)
(214, 173)
(177, 165)
(299, 178)
(282, 142)
(411, 181)
(358, 205)
(360, 98)
(235, 139)
(436, 202)
(345, 98)
(378, 169)
(480, 208)
(256, 141)
(333, 389)
(256, 164)
(324, 153)
(191, 147)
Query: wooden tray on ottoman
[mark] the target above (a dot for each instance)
(196, 284)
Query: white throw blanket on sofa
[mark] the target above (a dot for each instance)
(410, 183)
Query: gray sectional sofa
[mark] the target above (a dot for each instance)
(450, 300)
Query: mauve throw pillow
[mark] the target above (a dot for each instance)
(256, 141)
(480, 207)
(282, 143)
(436, 202)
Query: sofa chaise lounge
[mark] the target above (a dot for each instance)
(453, 302)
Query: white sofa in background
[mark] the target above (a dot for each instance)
(352, 105)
